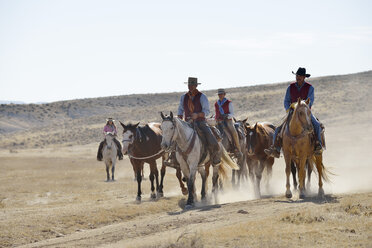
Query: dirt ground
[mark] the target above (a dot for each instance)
(58, 197)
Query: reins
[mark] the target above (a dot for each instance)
(151, 156)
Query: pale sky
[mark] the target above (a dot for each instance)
(61, 50)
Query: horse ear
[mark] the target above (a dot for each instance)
(255, 126)
(122, 125)
(162, 115)
(299, 101)
(136, 125)
(234, 119)
(307, 101)
(245, 120)
(171, 115)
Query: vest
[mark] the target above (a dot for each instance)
(302, 93)
(225, 108)
(197, 106)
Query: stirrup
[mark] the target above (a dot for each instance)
(272, 152)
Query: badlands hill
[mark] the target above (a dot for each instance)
(338, 98)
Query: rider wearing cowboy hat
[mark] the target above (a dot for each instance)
(195, 106)
(303, 90)
(224, 116)
(109, 127)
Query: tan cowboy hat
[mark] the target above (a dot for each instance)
(193, 81)
(221, 91)
(110, 119)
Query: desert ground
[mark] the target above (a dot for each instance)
(55, 195)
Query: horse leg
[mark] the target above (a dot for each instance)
(309, 165)
(162, 174)
(138, 166)
(251, 167)
(301, 177)
(294, 171)
(152, 177)
(108, 172)
(204, 179)
(215, 182)
(113, 171)
(319, 167)
(258, 172)
(190, 187)
(288, 163)
(179, 177)
(269, 170)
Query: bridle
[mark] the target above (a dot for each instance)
(172, 144)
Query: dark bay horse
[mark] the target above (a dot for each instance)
(298, 148)
(142, 144)
(259, 137)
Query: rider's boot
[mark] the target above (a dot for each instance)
(273, 151)
(99, 153)
(318, 148)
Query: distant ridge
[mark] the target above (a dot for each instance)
(80, 121)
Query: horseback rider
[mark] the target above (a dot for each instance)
(110, 128)
(303, 90)
(224, 116)
(195, 106)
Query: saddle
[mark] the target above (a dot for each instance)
(286, 121)
(224, 130)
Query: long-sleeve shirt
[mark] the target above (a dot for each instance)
(203, 101)
(287, 98)
(231, 109)
(109, 128)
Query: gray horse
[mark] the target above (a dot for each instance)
(109, 155)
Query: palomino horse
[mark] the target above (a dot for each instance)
(109, 155)
(191, 153)
(298, 147)
(259, 137)
(142, 144)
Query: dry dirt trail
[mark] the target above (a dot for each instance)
(271, 222)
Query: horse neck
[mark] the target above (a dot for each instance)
(295, 127)
(184, 133)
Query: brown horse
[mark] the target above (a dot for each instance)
(298, 147)
(259, 137)
(142, 145)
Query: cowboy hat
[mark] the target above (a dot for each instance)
(221, 91)
(301, 72)
(110, 119)
(192, 80)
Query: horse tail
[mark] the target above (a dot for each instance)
(326, 173)
(226, 160)
(222, 171)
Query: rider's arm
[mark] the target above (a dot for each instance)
(205, 106)
(311, 95)
(231, 111)
(180, 107)
(287, 99)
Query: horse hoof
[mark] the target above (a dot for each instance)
(138, 199)
(185, 191)
(160, 194)
(189, 206)
(321, 193)
(153, 196)
(288, 194)
(302, 195)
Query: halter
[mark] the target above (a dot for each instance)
(172, 146)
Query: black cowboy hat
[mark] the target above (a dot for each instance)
(192, 80)
(301, 72)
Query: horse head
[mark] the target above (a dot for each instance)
(129, 135)
(252, 138)
(109, 138)
(302, 113)
(168, 127)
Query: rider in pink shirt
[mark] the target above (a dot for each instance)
(109, 127)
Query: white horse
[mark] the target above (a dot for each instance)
(189, 152)
(109, 155)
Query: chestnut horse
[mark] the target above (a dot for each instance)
(259, 137)
(298, 147)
